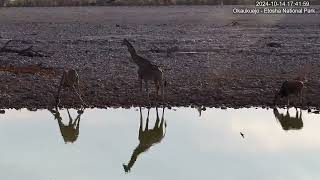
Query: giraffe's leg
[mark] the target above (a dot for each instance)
(79, 96)
(147, 121)
(157, 87)
(61, 85)
(70, 118)
(301, 97)
(140, 83)
(58, 96)
(78, 127)
(146, 86)
(162, 119)
(141, 124)
(147, 89)
(162, 90)
(77, 123)
(162, 123)
(156, 125)
(156, 83)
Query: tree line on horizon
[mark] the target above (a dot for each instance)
(26, 3)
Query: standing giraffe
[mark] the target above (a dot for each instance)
(146, 70)
(147, 137)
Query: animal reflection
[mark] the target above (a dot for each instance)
(287, 122)
(69, 132)
(200, 109)
(147, 137)
(70, 79)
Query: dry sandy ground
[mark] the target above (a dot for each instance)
(214, 62)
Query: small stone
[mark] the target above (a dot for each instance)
(316, 112)
(274, 44)
(80, 111)
(223, 107)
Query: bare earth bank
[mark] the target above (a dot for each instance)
(217, 58)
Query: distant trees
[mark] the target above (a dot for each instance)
(127, 2)
(52, 2)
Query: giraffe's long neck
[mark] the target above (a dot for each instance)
(131, 50)
(276, 113)
(135, 155)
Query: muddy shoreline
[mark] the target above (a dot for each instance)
(211, 57)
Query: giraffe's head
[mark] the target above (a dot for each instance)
(125, 42)
(126, 168)
(56, 113)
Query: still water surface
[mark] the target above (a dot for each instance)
(184, 146)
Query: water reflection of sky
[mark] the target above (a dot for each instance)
(207, 147)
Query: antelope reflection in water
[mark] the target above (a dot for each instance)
(69, 132)
(287, 122)
(147, 137)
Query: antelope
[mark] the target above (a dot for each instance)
(287, 122)
(147, 137)
(292, 87)
(146, 70)
(69, 79)
(69, 132)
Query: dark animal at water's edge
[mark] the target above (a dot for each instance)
(287, 122)
(147, 137)
(147, 71)
(293, 87)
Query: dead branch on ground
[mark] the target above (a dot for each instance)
(22, 52)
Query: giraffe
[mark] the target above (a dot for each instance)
(69, 132)
(69, 79)
(147, 137)
(146, 70)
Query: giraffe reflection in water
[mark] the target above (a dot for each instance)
(147, 137)
(287, 122)
(69, 132)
